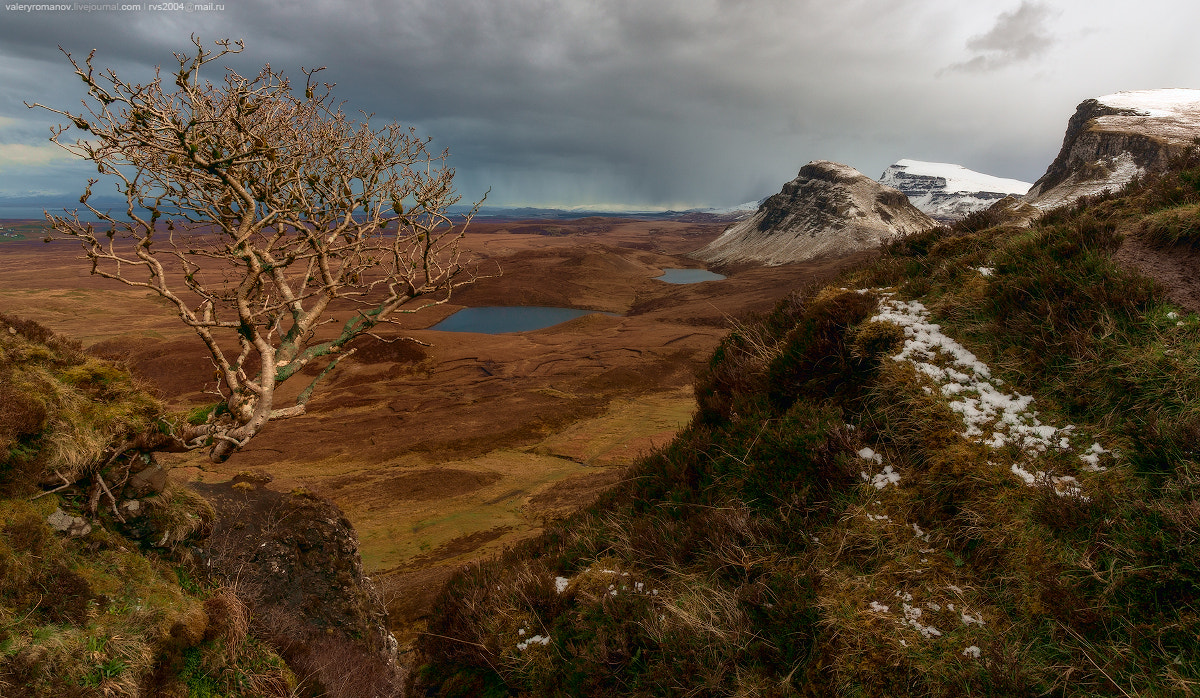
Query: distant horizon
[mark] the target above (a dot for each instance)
(31, 208)
(36, 212)
(20, 206)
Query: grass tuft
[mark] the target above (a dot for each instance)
(98, 614)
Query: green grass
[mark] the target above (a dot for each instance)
(60, 409)
(101, 614)
(1175, 226)
(772, 558)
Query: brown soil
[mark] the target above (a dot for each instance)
(444, 454)
(1177, 269)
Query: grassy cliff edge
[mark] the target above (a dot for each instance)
(967, 469)
(99, 593)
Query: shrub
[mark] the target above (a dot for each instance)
(1174, 226)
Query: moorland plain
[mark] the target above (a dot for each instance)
(446, 453)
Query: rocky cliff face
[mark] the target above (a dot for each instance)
(1112, 139)
(948, 192)
(828, 209)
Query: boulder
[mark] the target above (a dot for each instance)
(71, 526)
(292, 559)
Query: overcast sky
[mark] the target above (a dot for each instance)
(643, 103)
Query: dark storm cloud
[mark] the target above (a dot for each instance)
(663, 103)
(1018, 36)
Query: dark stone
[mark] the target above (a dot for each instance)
(293, 560)
(151, 479)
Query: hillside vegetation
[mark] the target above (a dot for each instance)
(107, 607)
(967, 469)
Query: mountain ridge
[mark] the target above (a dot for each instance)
(948, 192)
(1113, 139)
(827, 209)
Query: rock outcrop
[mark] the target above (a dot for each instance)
(829, 209)
(1012, 211)
(948, 192)
(293, 560)
(1114, 138)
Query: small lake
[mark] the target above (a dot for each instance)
(688, 276)
(501, 319)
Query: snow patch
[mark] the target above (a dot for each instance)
(868, 454)
(1092, 458)
(912, 616)
(887, 477)
(535, 640)
(1157, 103)
(958, 178)
(991, 416)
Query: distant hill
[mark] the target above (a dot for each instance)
(948, 192)
(828, 209)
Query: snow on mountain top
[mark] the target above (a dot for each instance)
(1158, 103)
(826, 167)
(959, 178)
(750, 206)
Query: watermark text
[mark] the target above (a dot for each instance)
(118, 7)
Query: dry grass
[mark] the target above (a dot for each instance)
(62, 412)
(780, 571)
(98, 615)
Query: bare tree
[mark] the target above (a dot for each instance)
(255, 213)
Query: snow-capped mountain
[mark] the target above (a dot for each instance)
(747, 208)
(828, 209)
(1114, 138)
(728, 214)
(948, 192)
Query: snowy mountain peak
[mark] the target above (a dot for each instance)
(1157, 103)
(958, 178)
(748, 207)
(947, 191)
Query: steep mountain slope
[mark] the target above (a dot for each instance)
(828, 209)
(948, 192)
(1114, 138)
(968, 468)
